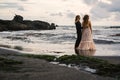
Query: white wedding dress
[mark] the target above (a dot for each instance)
(87, 42)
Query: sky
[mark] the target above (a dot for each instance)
(63, 12)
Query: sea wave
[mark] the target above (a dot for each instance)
(98, 41)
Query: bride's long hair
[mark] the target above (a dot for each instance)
(85, 20)
(76, 18)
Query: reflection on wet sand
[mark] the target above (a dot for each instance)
(85, 52)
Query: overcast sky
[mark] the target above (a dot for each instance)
(62, 12)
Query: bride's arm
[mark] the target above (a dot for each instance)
(90, 26)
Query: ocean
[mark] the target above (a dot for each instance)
(61, 41)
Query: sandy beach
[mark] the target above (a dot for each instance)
(37, 69)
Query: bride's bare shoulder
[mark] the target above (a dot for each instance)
(89, 22)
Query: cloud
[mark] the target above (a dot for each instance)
(64, 0)
(11, 5)
(117, 16)
(105, 10)
(115, 6)
(70, 15)
(56, 14)
(21, 9)
(99, 11)
(8, 5)
(60, 10)
(23, 0)
(90, 2)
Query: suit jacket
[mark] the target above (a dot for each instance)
(78, 27)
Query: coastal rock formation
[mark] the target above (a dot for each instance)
(18, 18)
(19, 24)
(114, 26)
(115, 35)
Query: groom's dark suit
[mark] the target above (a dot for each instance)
(79, 33)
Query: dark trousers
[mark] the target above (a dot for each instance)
(79, 35)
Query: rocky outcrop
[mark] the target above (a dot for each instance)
(53, 26)
(19, 24)
(115, 35)
(18, 18)
(114, 26)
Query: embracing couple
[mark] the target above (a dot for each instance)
(84, 34)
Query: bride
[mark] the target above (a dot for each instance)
(87, 39)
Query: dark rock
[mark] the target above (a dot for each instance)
(18, 18)
(52, 26)
(41, 25)
(115, 35)
(56, 25)
(2, 27)
(29, 24)
(114, 26)
(103, 41)
(19, 24)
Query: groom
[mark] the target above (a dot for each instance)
(78, 30)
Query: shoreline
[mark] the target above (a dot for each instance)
(110, 59)
(15, 51)
(38, 69)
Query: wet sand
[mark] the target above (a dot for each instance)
(37, 69)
